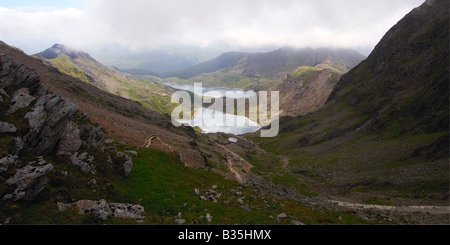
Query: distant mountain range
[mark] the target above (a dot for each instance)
(271, 64)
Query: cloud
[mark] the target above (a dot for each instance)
(152, 24)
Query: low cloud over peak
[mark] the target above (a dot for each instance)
(231, 24)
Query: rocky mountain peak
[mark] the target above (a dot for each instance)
(60, 49)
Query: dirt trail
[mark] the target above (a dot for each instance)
(360, 206)
(148, 142)
(238, 166)
(409, 209)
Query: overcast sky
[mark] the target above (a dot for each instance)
(231, 24)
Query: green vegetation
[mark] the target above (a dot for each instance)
(165, 187)
(65, 65)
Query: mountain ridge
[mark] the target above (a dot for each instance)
(271, 64)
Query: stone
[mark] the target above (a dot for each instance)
(29, 180)
(20, 99)
(208, 217)
(246, 208)
(281, 216)
(134, 153)
(104, 211)
(109, 141)
(127, 163)
(7, 128)
(6, 162)
(196, 192)
(180, 221)
(296, 222)
(240, 201)
(83, 161)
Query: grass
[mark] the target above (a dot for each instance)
(165, 187)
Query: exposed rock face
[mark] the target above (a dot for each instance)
(104, 211)
(14, 76)
(48, 121)
(20, 99)
(70, 141)
(306, 90)
(7, 128)
(30, 180)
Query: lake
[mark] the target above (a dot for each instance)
(214, 121)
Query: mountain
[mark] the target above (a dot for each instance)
(258, 70)
(382, 137)
(82, 66)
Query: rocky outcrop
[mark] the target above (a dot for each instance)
(14, 76)
(305, 90)
(29, 180)
(51, 126)
(104, 211)
(48, 120)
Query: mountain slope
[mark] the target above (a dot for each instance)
(82, 66)
(382, 137)
(306, 89)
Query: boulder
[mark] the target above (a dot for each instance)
(7, 128)
(29, 180)
(281, 216)
(208, 217)
(127, 162)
